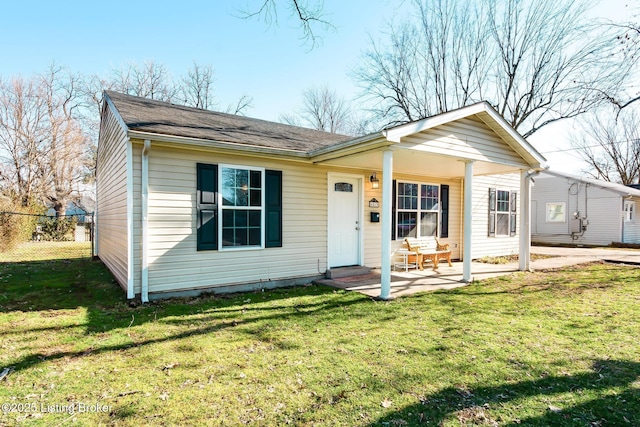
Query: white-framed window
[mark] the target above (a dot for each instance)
(238, 207)
(629, 211)
(417, 209)
(502, 212)
(557, 212)
(241, 206)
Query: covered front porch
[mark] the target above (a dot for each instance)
(461, 148)
(404, 283)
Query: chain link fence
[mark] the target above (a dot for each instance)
(28, 237)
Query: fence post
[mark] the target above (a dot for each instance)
(91, 234)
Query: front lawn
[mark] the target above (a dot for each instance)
(556, 348)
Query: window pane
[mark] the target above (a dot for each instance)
(502, 224)
(227, 237)
(227, 218)
(228, 187)
(241, 237)
(254, 218)
(254, 236)
(235, 187)
(407, 196)
(241, 227)
(406, 224)
(429, 197)
(343, 187)
(240, 219)
(256, 199)
(556, 212)
(256, 179)
(428, 224)
(503, 201)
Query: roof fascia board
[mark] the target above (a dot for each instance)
(394, 134)
(346, 144)
(523, 143)
(348, 148)
(115, 112)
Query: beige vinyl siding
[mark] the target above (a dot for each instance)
(174, 262)
(111, 184)
(603, 209)
(481, 244)
(373, 231)
(467, 138)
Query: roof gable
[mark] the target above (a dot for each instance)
(483, 112)
(161, 118)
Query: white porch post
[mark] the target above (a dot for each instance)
(387, 192)
(468, 211)
(524, 256)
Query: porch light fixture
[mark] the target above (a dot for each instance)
(375, 182)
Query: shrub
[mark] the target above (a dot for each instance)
(16, 225)
(58, 229)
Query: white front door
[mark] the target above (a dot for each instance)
(344, 220)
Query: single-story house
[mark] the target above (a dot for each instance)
(567, 209)
(191, 200)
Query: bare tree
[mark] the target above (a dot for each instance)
(22, 140)
(322, 109)
(196, 88)
(66, 141)
(149, 80)
(629, 42)
(535, 62)
(240, 107)
(610, 145)
(42, 145)
(309, 15)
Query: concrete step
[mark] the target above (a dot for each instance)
(356, 270)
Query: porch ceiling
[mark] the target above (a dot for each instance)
(412, 162)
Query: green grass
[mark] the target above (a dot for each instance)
(559, 348)
(42, 251)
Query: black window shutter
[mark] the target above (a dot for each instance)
(444, 210)
(273, 209)
(492, 212)
(512, 215)
(206, 204)
(393, 210)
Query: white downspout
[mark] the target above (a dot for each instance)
(130, 244)
(387, 191)
(144, 277)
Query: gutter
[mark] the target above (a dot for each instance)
(144, 285)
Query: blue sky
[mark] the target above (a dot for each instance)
(268, 63)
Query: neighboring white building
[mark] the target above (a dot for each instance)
(192, 200)
(567, 209)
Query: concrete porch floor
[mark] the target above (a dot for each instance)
(407, 283)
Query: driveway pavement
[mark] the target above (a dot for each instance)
(567, 255)
(412, 281)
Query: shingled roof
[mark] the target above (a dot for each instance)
(163, 118)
